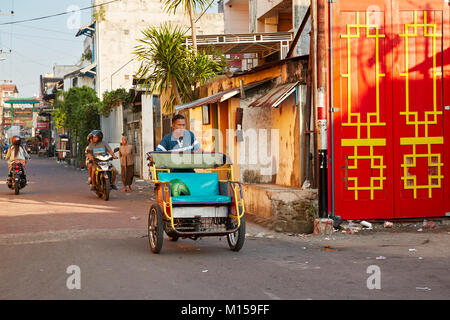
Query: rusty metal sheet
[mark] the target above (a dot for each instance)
(218, 97)
(275, 96)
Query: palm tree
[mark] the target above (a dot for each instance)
(167, 66)
(161, 55)
(189, 7)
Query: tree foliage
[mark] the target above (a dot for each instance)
(113, 99)
(168, 66)
(77, 110)
(189, 7)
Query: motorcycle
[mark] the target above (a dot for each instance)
(103, 174)
(16, 179)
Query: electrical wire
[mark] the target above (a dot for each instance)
(44, 29)
(42, 37)
(45, 46)
(57, 14)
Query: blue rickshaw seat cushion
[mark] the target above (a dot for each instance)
(201, 199)
(204, 186)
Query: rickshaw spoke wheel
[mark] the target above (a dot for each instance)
(155, 229)
(236, 239)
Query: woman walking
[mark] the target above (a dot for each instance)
(126, 155)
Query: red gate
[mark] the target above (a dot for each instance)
(391, 79)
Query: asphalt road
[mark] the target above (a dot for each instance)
(56, 223)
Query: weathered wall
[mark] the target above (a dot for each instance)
(255, 120)
(116, 39)
(123, 25)
(299, 8)
(281, 209)
(286, 119)
(236, 17)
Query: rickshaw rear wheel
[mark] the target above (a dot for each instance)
(236, 239)
(155, 229)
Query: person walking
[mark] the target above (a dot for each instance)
(126, 155)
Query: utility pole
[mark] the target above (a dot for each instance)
(321, 106)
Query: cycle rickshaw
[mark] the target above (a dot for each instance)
(213, 207)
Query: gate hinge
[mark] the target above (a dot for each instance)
(332, 109)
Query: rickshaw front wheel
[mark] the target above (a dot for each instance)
(236, 239)
(155, 229)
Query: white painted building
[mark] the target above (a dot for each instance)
(112, 39)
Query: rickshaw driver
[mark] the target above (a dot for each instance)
(180, 139)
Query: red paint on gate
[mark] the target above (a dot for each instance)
(391, 64)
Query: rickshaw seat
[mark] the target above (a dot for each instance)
(204, 187)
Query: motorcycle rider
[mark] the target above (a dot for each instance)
(89, 139)
(17, 153)
(98, 146)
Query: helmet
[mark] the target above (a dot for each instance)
(98, 133)
(89, 137)
(16, 140)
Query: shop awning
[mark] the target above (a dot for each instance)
(90, 70)
(87, 30)
(221, 96)
(276, 96)
(218, 97)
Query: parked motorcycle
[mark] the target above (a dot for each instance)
(103, 175)
(16, 179)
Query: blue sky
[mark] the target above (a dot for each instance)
(38, 45)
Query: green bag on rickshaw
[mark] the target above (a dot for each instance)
(179, 188)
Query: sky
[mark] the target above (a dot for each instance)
(38, 45)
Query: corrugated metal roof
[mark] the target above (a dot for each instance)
(275, 96)
(218, 97)
(221, 96)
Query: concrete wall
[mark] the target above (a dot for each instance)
(116, 39)
(236, 15)
(82, 81)
(254, 121)
(265, 6)
(147, 132)
(123, 25)
(281, 209)
(299, 8)
(264, 17)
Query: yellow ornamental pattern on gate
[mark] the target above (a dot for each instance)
(372, 118)
(413, 119)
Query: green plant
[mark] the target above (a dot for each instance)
(77, 110)
(87, 55)
(189, 7)
(313, 211)
(113, 99)
(99, 14)
(168, 66)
